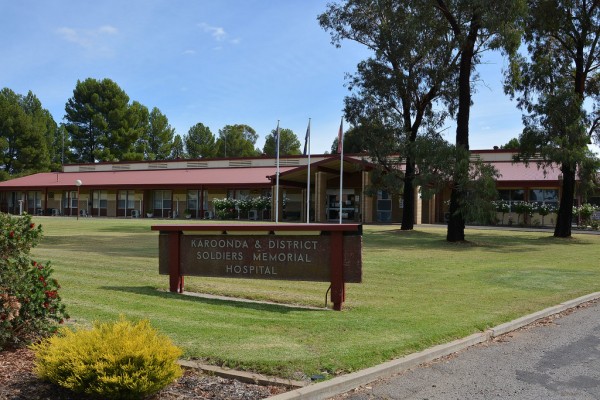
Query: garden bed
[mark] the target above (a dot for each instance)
(18, 382)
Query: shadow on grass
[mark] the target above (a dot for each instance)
(123, 245)
(496, 241)
(251, 305)
(125, 229)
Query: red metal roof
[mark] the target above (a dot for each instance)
(518, 172)
(239, 177)
(226, 177)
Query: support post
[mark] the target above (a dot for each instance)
(338, 287)
(175, 277)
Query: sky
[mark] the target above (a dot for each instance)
(253, 62)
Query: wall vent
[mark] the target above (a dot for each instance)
(119, 167)
(290, 161)
(87, 168)
(197, 164)
(240, 163)
(158, 166)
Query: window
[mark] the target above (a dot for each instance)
(126, 199)
(72, 196)
(194, 197)
(34, 200)
(512, 196)
(162, 199)
(99, 199)
(384, 206)
(544, 196)
(192, 200)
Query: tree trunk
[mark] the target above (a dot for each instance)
(564, 218)
(456, 223)
(408, 212)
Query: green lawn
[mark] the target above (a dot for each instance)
(417, 291)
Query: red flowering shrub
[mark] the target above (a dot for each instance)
(30, 305)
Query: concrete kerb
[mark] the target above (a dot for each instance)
(344, 383)
(241, 376)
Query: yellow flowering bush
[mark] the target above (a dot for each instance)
(119, 360)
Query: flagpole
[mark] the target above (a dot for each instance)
(341, 147)
(308, 179)
(277, 176)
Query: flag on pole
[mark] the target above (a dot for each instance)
(277, 174)
(276, 137)
(307, 142)
(340, 148)
(307, 137)
(341, 152)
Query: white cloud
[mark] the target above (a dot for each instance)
(216, 32)
(87, 38)
(71, 35)
(110, 30)
(189, 52)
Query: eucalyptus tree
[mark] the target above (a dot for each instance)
(394, 91)
(200, 142)
(289, 144)
(476, 26)
(557, 86)
(353, 140)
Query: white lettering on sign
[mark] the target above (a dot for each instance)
(255, 256)
(250, 270)
(219, 255)
(212, 243)
(283, 244)
(282, 257)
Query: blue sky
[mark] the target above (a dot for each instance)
(216, 62)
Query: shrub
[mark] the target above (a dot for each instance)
(584, 213)
(30, 305)
(544, 209)
(525, 208)
(119, 360)
(501, 207)
(225, 208)
(262, 203)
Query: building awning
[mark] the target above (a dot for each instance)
(298, 176)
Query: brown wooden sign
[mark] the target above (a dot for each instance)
(334, 255)
(293, 257)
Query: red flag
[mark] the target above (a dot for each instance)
(340, 137)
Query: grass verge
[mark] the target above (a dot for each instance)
(418, 291)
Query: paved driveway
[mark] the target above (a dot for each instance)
(553, 359)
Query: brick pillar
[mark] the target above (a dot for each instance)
(303, 207)
(366, 202)
(273, 195)
(418, 206)
(320, 197)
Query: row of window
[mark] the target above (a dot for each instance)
(539, 196)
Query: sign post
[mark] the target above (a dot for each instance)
(315, 252)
